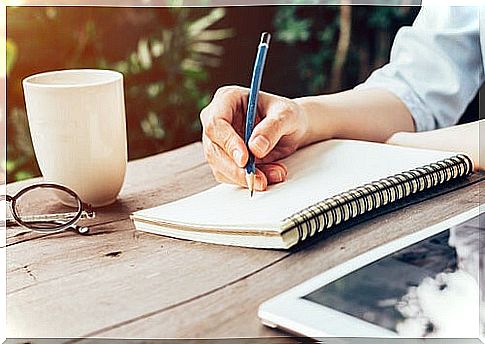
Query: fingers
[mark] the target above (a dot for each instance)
(224, 148)
(260, 181)
(274, 172)
(218, 122)
(225, 170)
(223, 135)
(280, 120)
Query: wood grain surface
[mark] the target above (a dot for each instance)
(121, 283)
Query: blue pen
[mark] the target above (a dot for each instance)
(252, 105)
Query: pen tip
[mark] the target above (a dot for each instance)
(251, 194)
(250, 183)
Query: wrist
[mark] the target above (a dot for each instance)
(304, 121)
(320, 123)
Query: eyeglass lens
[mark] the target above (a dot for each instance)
(45, 207)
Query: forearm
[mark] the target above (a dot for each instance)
(371, 115)
(461, 138)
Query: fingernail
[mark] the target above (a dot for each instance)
(259, 183)
(237, 154)
(261, 143)
(275, 176)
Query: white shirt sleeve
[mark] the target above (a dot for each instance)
(435, 66)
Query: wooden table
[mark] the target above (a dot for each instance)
(118, 282)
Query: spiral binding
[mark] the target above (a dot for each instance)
(342, 207)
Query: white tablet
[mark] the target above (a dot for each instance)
(422, 285)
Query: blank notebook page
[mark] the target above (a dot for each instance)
(315, 173)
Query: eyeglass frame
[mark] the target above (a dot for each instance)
(84, 209)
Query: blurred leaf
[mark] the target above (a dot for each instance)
(157, 48)
(122, 67)
(203, 101)
(189, 64)
(10, 165)
(144, 56)
(199, 25)
(327, 35)
(22, 175)
(290, 28)
(383, 17)
(154, 89)
(152, 127)
(214, 35)
(12, 52)
(207, 48)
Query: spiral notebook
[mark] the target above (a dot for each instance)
(328, 183)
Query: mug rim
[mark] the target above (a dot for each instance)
(114, 77)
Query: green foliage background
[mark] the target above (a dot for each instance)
(173, 59)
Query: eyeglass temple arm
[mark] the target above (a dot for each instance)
(52, 217)
(75, 227)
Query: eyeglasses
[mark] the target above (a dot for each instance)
(48, 216)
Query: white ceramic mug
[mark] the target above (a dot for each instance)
(78, 128)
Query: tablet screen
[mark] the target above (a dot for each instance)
(413, 291)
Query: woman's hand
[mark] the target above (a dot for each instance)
(280, 129)
(283, 125)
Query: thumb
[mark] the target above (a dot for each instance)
(279, 121)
